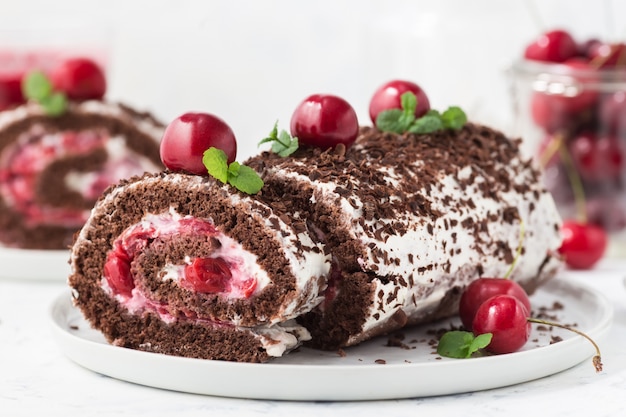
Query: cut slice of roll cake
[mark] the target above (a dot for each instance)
(54, 168)
(410, 220)
(181, 265)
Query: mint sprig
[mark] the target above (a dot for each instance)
(37, 87)
(242, 177)
(404, 120)
(282, 144)
(460, 345)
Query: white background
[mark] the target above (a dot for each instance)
(252, 61)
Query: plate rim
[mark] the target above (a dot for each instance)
(71, 345)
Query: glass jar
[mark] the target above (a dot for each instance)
(574, 121)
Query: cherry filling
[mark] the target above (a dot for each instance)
(219, 273)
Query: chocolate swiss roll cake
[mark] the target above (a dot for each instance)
(180, 264)
(410, 220)
(53, 168)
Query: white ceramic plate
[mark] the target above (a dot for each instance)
(28, 264)
(369, 371)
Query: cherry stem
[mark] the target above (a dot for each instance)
(518, 251)
(597, 359)
(575, 181)
(556, 145)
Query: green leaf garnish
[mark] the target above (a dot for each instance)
(55, 104)
(460, 345)
(403, 120)
(427, 124)
(454, 118)
(36, 86)
(389, 121)
(282, 144)
(242, 177)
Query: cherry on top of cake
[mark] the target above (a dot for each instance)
(202, 143)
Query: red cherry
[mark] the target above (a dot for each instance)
(387, 97)
(558, 111)
(583, 149)
(587, 49)
(553, 46)
(606, 55)
(187, 137)
(117, 273)
(324, 121)
(549, 114)
(10, 92)
(612, 112)
(583, 244)
(79, 79)
(611, 156)
(505, 317)
(248, 286)
(207, 275)
(480, 290)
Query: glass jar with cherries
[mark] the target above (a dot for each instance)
(570, 103)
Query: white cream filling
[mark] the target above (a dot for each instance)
(122, 162)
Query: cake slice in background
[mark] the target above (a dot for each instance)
(54, 164)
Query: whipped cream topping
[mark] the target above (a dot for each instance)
(421, 257)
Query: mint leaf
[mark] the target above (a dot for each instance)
(241, 177)
(428, 123)
(403, 120)
(460, 345)
(282, 144)
(216, 163)
(54, 104)
(244, 178)
(408, 102)
(36, 86)
(480, 342)
(454, 118)
(389, 121)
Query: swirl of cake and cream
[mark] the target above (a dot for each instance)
(53, 169)
(197, 255)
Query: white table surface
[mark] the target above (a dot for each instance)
(37, 379)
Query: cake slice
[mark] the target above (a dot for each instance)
(53, 168)
(410, 220)
(181, 265)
